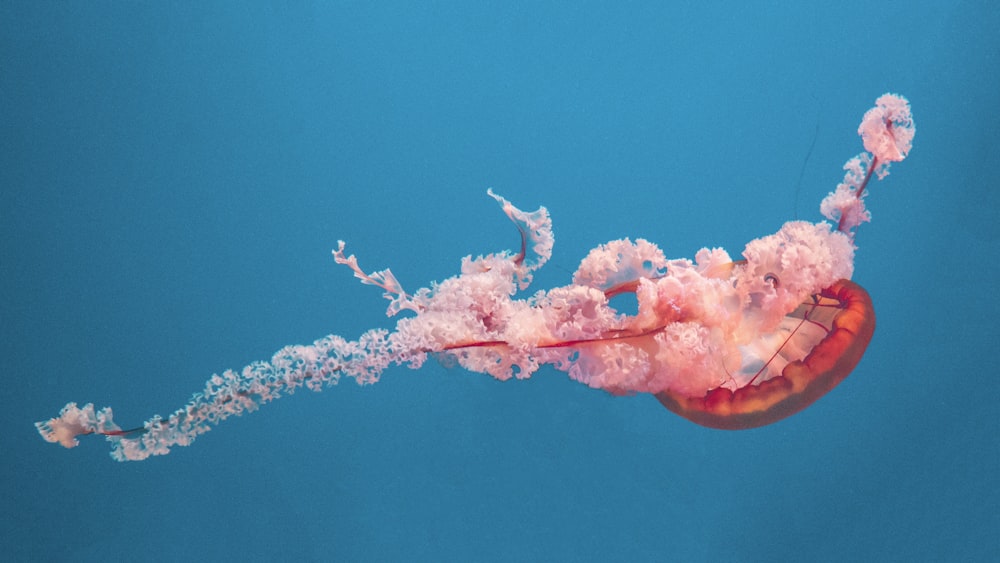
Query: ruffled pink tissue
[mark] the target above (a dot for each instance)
(700, 326)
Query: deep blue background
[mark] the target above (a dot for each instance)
(172, 179)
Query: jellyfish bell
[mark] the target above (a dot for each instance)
(844, 315)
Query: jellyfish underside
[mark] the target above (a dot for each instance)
(845, 314)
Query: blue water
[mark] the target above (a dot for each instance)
(173, 178)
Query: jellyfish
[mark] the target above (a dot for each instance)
(728, 344)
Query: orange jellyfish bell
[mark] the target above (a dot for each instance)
(845, 312)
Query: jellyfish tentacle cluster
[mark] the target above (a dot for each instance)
(725, 343)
